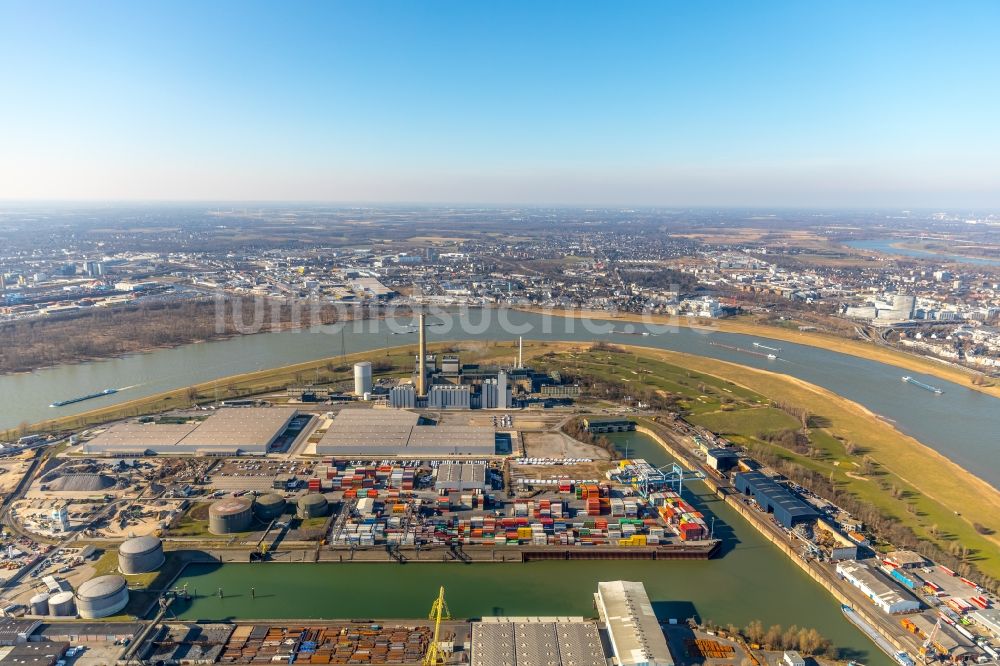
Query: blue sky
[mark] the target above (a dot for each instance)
(660, 103)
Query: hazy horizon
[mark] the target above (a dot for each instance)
(783, 105)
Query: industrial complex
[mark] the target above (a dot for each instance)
(227, 432)
(450, 463)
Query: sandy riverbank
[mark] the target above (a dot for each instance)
(834, 343)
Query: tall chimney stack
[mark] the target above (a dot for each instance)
(520, 352)
(422, 359)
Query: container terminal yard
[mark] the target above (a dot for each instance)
(102, 530)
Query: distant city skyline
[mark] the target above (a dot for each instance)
(778, 104)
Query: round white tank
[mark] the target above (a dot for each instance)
(39, 604)
(61, 605)
(362, 378)
(140, 555)
(102, 596)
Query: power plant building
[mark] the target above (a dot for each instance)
(450, 396)
(102, 596)
(496, 392)
(140, 555)
(229, 431)
(634, 631)
(403, 396)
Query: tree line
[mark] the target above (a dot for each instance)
(107, 332)
(804, 640)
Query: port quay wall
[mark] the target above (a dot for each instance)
(830, 583)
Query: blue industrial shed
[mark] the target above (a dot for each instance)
(788, 509)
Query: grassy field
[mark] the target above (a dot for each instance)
(935, 506)
(791, 333)
(747, 423)
(937, 499)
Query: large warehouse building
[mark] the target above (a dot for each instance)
(397, 432)
(886, 595)
(634, 631)
(499, 642)
(229, 431)
(788, 509)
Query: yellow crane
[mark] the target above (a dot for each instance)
(928, 645)
(439, 611)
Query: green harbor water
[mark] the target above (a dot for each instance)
(751, 580)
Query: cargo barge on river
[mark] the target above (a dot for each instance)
(89, 396)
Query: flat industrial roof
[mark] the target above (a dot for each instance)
(777, 494)
(536, 644)
(635, 632)
(397, 432)
(462, 472)
(249, 429)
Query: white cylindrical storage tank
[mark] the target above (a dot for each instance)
(39, 604)
(102, 596)
(227, 516)
(140, 555)
(362, 378)
(61, 604)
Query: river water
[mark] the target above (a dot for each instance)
(752, 580)
(962, 424)
(885, 245)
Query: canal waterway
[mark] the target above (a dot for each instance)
(886, 246)
(962, 424)
(752, 580)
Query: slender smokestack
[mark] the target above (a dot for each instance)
(422, 359)
(520, 352)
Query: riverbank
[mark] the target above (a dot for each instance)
(323, 370)
(946, 498)
(921, 488)
(740, 326)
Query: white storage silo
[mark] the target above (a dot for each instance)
(362, 378)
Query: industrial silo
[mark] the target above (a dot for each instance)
(230, 515)
(140, 555)
(269, 507)
(39, 604)
(102, 596)
(362, 378)
(312, 505)
(61, 604)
